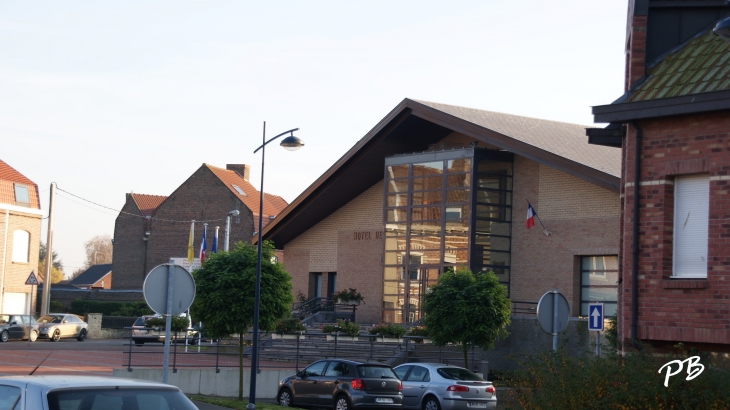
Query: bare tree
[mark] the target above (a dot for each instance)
(98, 250)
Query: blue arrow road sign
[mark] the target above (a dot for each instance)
(595, 316)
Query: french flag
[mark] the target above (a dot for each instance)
(203, 245)
(530, 216)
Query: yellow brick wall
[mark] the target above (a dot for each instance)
(563, 196)
(16, 273)
(365, 211)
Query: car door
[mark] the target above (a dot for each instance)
(414, 385)
(305, 385)
(15, 328)
(327, 386)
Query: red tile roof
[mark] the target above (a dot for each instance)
(273, 204)
(9, 176)
(147, 203)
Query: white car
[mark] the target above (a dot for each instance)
(142, 334)
(88, 393)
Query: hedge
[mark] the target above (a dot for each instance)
(84, 307)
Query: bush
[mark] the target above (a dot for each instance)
(290, 325)
(84, 307)
(344, 326)
(389, 330)
(349, 295)
(559, 381)
(421, 331)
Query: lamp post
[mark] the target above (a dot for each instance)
(291, 143)
(228, 228)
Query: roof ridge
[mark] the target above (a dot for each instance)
(501, 113)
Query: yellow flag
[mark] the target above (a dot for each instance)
(191, 253)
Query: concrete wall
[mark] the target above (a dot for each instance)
(209, 383)
(95, 331)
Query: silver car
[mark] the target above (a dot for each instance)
(56, 326)
(63, 392)
(434, 386)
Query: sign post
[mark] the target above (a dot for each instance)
(168, 290)
(595, 322)
(553, 312)
(32, 280)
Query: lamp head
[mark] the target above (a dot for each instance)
(722, 29)
(292, 143)
(234, 212)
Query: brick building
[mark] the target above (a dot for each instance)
(673, 130)
(152, 229)
(20, 231)
(435, 186)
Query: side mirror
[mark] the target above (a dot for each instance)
(302, 374)
(65, 321)
(14, 323)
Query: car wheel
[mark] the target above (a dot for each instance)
(431, 403)
(33, 335)
(284, 399)
(342, 403)
(82, 335)
(56, 335)
(4, 336)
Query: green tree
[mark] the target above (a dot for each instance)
(471, 309)
(56, 267)
(224, 299)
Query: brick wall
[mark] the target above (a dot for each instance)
(129, 247)
(691, 311)
(16, 273)
(541, 263)
(202, 197)
(329, 246)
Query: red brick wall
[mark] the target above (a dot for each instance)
(670, 310)
(129, 247)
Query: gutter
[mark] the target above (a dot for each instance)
(5, 253)
(635, 236)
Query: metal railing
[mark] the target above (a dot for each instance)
(523, 308)
(295, 351)
(312, 306)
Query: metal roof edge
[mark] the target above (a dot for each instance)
(663, 107)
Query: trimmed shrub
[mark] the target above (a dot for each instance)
(84, 307)
(388, 330)
(344, 326)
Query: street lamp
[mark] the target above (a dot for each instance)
(234, 212)
(291, 143)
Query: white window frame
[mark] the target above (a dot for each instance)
(21, 246)
(691, 226)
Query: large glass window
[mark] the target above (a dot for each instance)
(599, 283)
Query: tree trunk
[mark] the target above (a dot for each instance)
(240, 366)
(465, 347)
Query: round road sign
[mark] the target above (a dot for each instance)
(155, 289)
(546, 312)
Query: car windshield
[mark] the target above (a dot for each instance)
(139, 322)
(456, 373)
(375, 372)
(114, 398)
(51, 319)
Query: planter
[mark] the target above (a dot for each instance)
(286, 336)
(386, 339)
(342, 338)
(349, 302)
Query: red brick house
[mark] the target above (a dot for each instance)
(152, 229)
(673, 128)
(20, 231)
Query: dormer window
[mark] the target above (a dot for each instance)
(21, 195)
(238, 189)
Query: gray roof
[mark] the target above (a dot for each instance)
(563, 139)
(92, 275)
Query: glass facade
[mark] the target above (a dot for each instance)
(443, 210)
(599, 283)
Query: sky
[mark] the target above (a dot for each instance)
(106, 98)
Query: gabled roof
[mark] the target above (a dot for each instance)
(692, 78)
(92, 275)
(273, 204)
(10, 176)
(147, 203)
(413, 126)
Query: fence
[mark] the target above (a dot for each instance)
(295, 351)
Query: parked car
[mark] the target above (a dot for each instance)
(18, 327)
(56, 326)
(88, 392)
(434, 386)
(342, 385)
(142, 334)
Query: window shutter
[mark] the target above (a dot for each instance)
(691, 216)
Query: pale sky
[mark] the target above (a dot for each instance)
(106, 98)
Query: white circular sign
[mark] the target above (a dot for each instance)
(155, 289)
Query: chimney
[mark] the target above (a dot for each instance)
(241, 169)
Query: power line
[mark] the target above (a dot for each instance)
(137, 216)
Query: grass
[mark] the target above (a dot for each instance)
(234, 403)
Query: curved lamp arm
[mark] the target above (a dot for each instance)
(283, 133)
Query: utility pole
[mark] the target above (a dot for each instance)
(45, 303)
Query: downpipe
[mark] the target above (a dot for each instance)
(635, 239)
